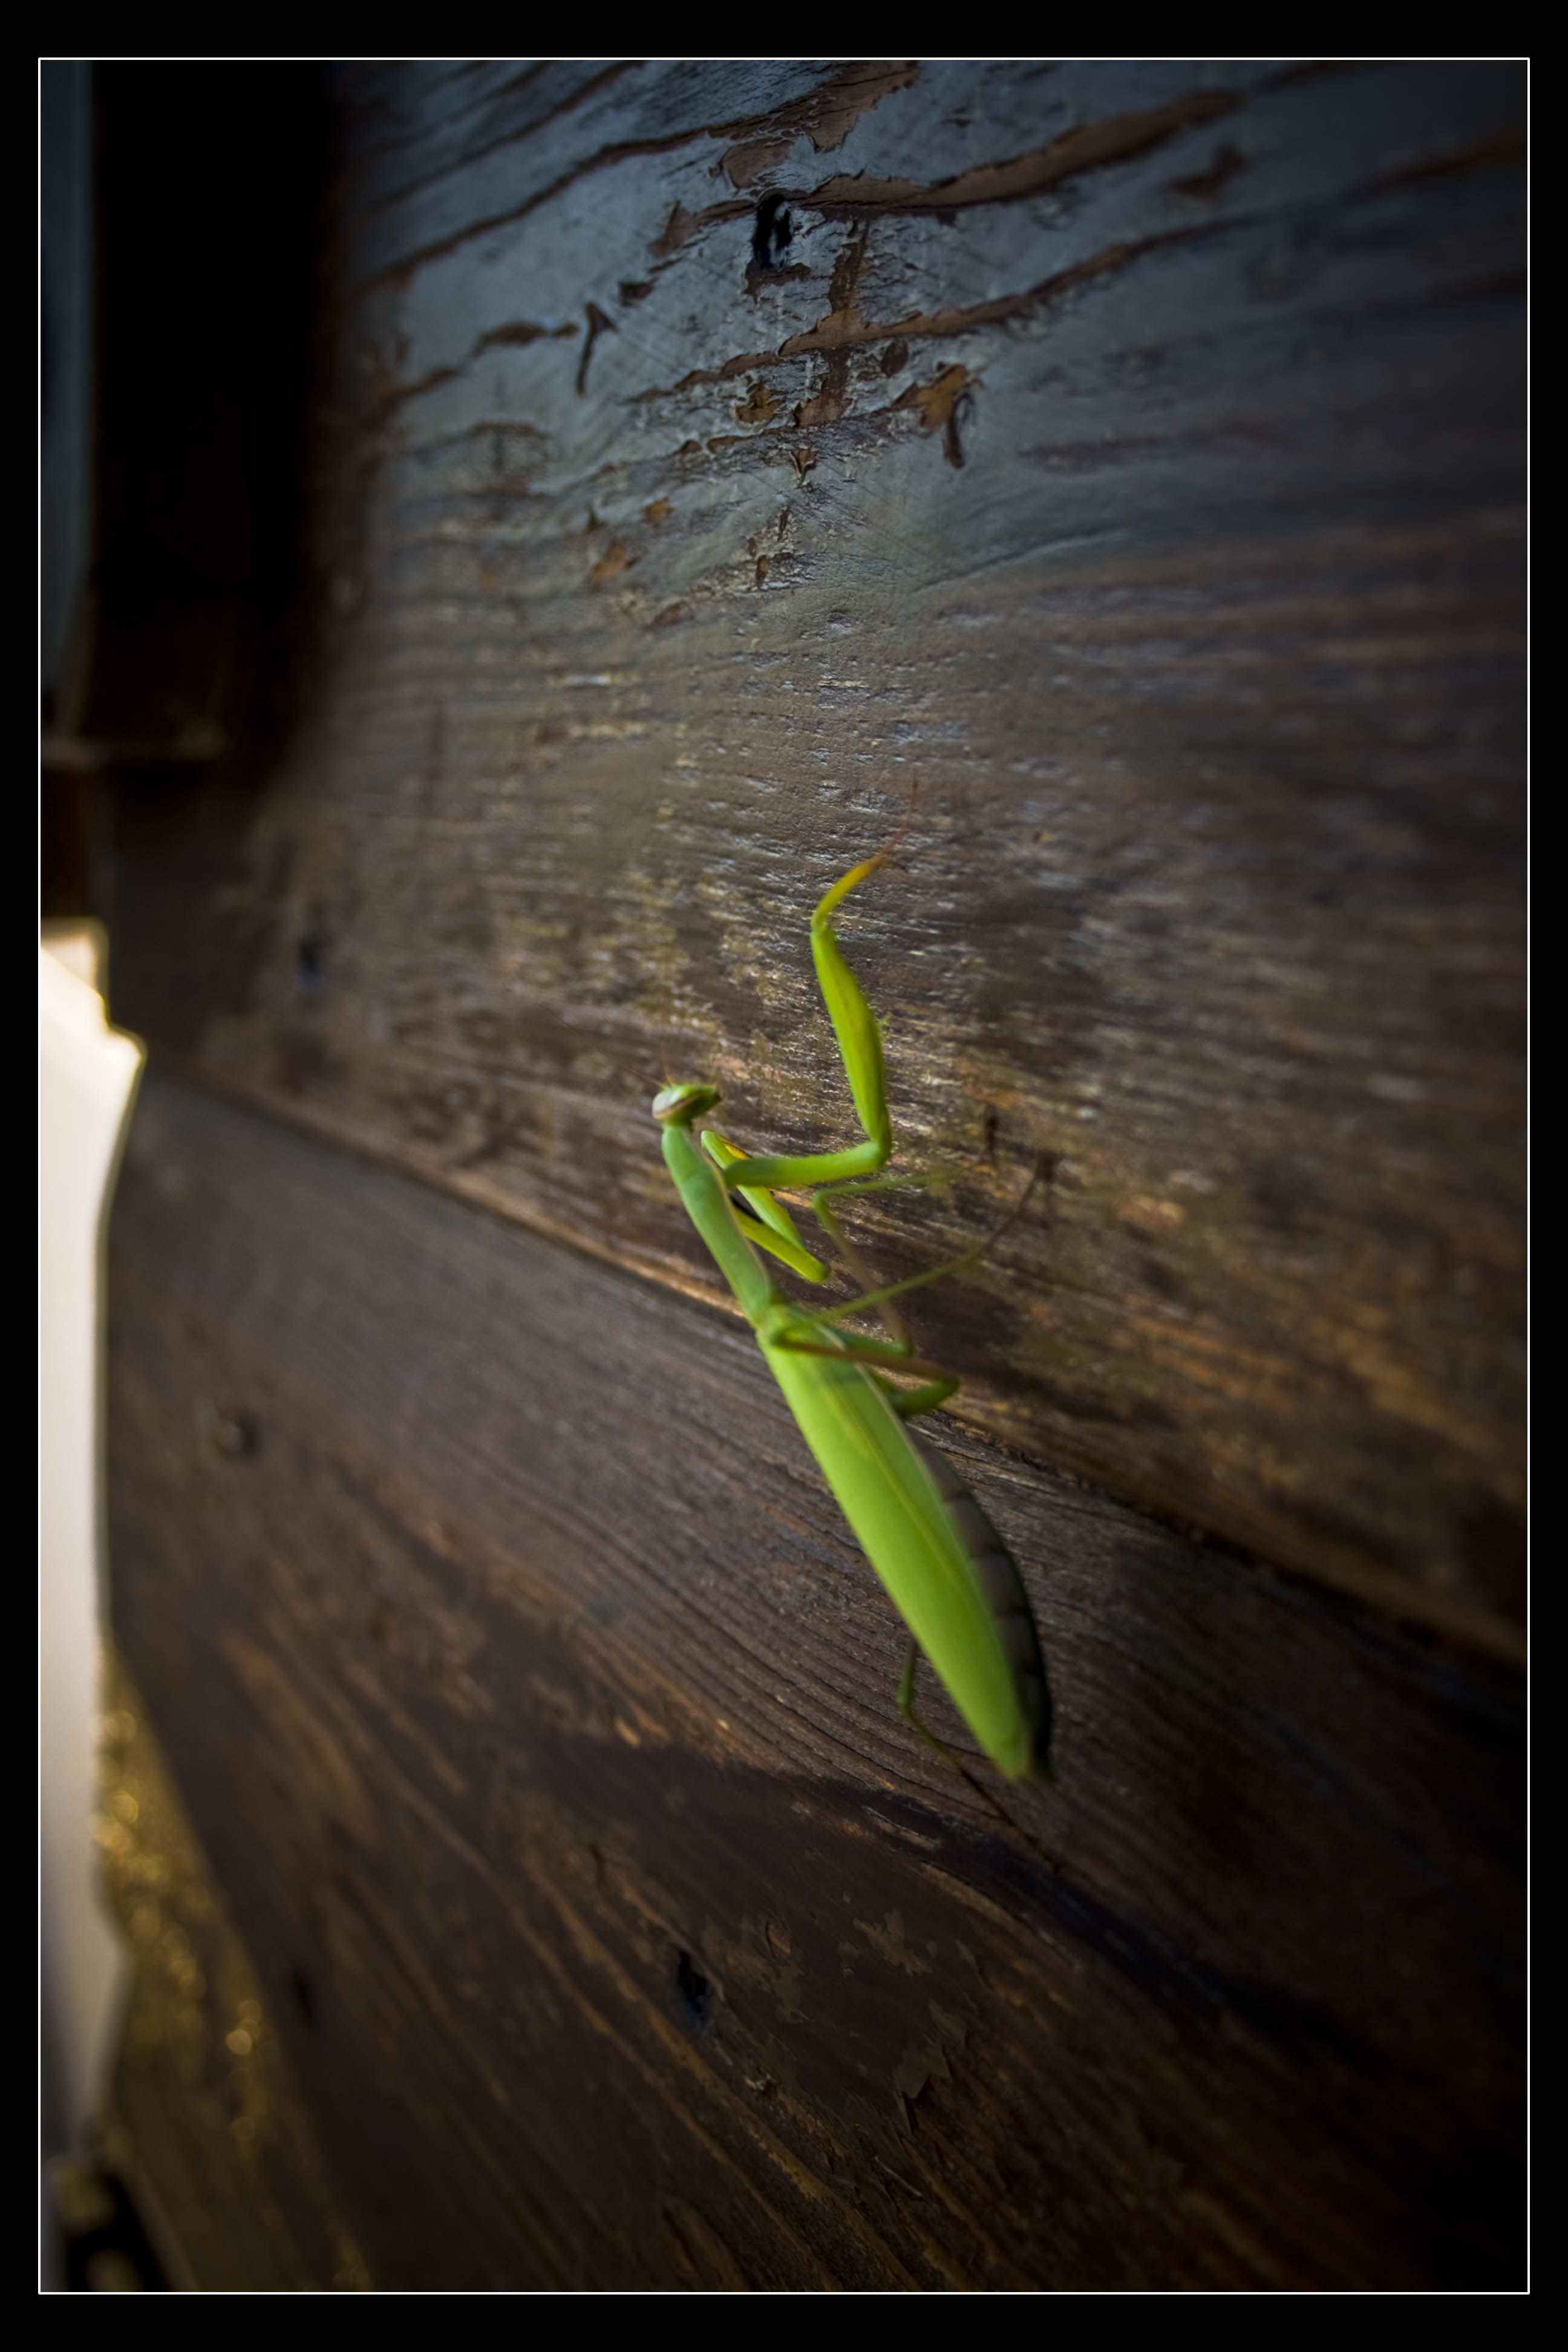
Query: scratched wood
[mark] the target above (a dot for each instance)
(1131, 453)
(534, 1710)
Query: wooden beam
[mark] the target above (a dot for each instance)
(1128, 452)
(534, 1712)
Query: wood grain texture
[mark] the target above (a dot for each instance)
(534, 1710)
(1129, 452)
(205, 2118)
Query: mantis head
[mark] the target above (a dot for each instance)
(678, 1106)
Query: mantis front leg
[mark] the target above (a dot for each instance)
(860, 1050)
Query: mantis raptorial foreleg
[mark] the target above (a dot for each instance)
(837, 1174)
(774, 1227)
(860, 1048)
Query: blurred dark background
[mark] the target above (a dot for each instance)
(183, 211)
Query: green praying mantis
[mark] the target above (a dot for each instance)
(944, 1565)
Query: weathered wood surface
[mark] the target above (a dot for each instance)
(205, 2118)
(1131, 453)
(535, 1710)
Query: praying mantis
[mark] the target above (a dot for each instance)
(944, 1567)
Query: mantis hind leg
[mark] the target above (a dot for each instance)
(949, 1756)
(955, 1761)
(906, 1708)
